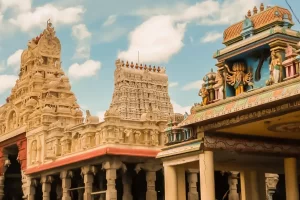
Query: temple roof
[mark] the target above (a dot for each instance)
(262, 20)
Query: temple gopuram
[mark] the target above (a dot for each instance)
(50, 151)
(242, 142)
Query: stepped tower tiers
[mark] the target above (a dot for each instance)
(141, 92)
(42, 94)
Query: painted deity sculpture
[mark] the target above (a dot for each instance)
(219, 87)
(275, 67)
(204, 94)
(239, 78)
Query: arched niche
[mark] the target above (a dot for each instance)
(12, 120)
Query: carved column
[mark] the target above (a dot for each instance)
(127, 182)
(1, 187)
(170, 183)
(291, 181)
(111, 166)
(31, 184)
(151, 169)
(88, 173)
(207, 176)
(271, 183)
(233, 181)
(192, 180)
(46, 186)
(66, 184)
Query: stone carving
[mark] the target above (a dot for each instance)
(271, 184)
(239, 78)
(34, 149)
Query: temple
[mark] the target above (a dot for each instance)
(241, 142)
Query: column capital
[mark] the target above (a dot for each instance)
(113, 164)
(66, 174)
(149, 167)
(47, 179)
(88, 170)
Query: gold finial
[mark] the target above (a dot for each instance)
(154, 69)
(122, 63)
(150, 68)
(254, 10)
(145, 67)
(131, 65)
(249, 13)
(136, 66)
(141, 66)
(262, 7)
(127, 64)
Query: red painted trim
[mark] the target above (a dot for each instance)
(93, 154)
(132, 152)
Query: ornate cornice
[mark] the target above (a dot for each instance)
(253, 100)
(251, 145)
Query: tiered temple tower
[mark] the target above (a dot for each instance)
(140, 90)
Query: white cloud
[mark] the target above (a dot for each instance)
(23, 5)
(83, 38)
(156, 40)
(14, 60)
(87, 69)
(173, 84)
(80, 32)
(38, 17)
(180, 109)
(229, 12)
(211, 37)
(7, 82)
(110, 20)
(193, 85)
(160, 37)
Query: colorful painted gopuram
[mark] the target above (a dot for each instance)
(242, 142)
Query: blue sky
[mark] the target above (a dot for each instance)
(180, 35)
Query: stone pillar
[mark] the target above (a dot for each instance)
(261, 183)
(181, 190)
(192, 180)
(271, 183)
(1, 187)
(66, 184)
(291, 181)
(170, 183)
(31, 185)
(88, 178)
(46, 186)
(233, 181)
(127, 182)
(207, 176)
(252, 185)
(151, 168)
(111, 166)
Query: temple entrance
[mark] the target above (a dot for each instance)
(13, 176)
